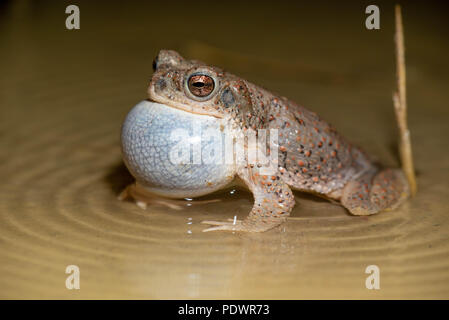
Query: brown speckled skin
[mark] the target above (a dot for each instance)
(313, 157)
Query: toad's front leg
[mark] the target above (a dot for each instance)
(273, 202)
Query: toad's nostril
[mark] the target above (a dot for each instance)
(155, 64)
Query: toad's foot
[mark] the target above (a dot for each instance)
(231, 225)
(238, 225)
(375, 191)
(273, 202)
(143, 199)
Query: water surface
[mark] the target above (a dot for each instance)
(64, 95)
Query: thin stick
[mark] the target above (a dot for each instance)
(400, 105)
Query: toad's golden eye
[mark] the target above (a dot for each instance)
(201, 85)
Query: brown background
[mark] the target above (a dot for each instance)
(64, 95)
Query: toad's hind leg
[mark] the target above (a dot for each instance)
(375, 191)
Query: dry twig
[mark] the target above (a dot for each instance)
(400, 104)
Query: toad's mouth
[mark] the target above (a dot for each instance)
(195, 109)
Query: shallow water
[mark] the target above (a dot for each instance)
(64, 95)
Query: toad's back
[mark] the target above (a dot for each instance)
(312, 155)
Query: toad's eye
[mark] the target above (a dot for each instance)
(201, 85)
